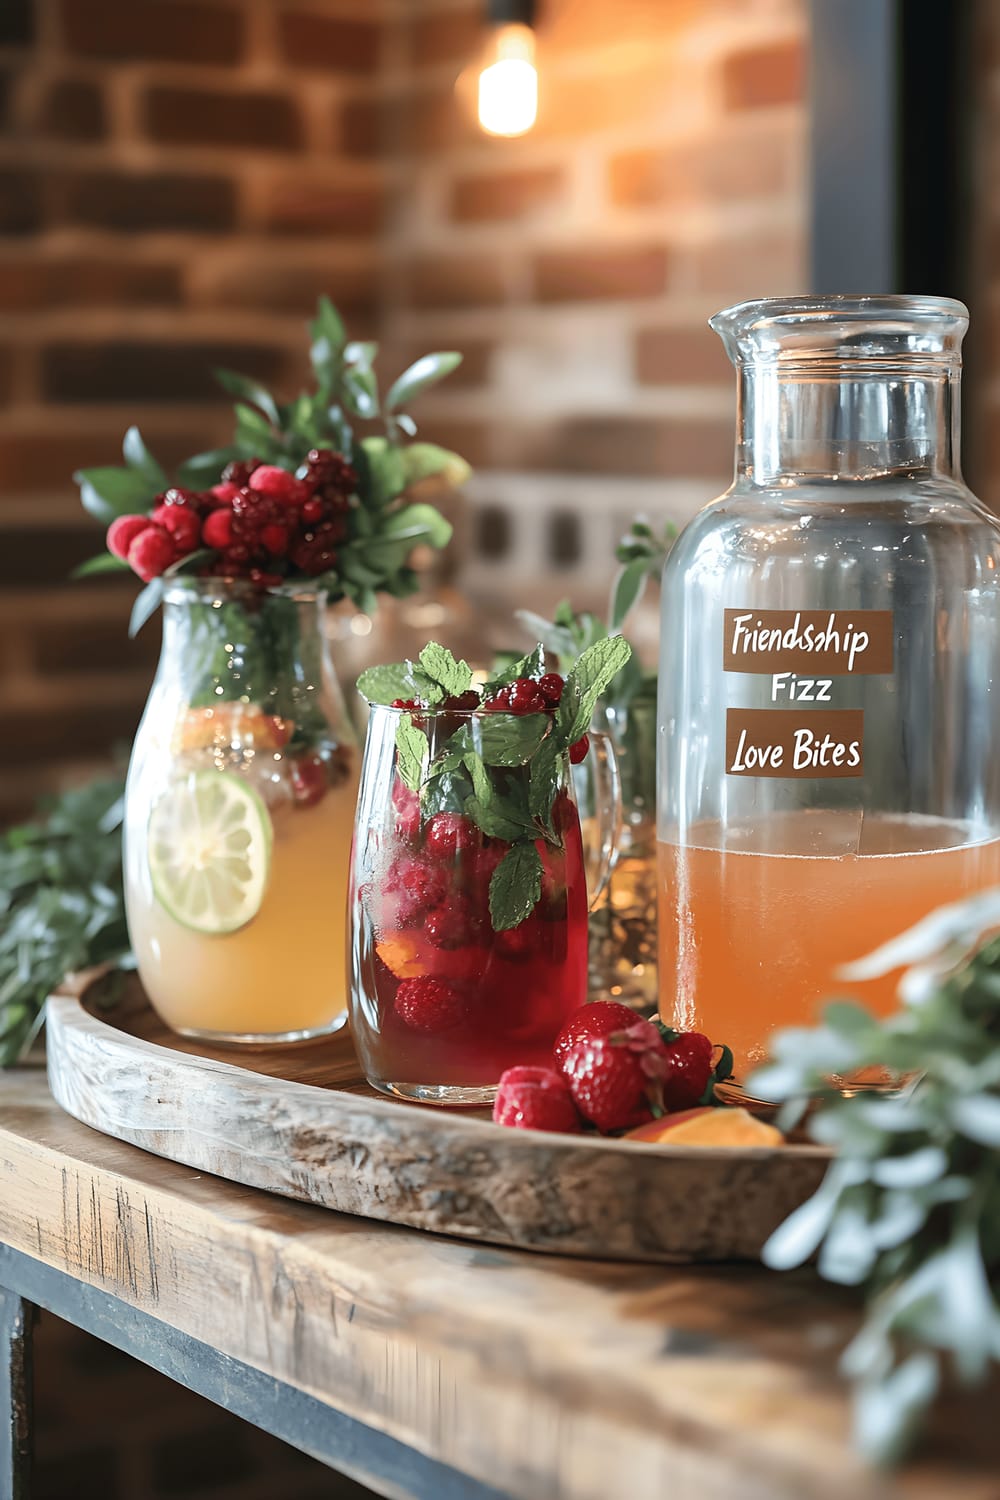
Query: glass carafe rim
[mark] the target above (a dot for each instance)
(845, 335)
(826, 307)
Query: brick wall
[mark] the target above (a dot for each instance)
(577, 265)
(180, 178)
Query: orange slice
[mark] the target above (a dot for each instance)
(709, 1127)
(410, 955)
(231, 723)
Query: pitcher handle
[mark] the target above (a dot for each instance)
(602, 764)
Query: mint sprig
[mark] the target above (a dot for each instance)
(502, 770)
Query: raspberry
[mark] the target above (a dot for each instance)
(517, 944)
(181, 499)
(454, 924)
(407, 808)
(551, 688)
(450, 834)
(277, 484)
(122, 533)
(535, 1099)
(525, 697)
(309, 780)
(499, 703)
(274, 539)
(182, 523)
(689, 1067)
(408, 703)
(151, 552)
(224, 494)
(416, 885)
(480, 871)
(614, 1079)
(429, 1005)
(578, 750)
(463, 701)
(599, 1018)
(218, 530)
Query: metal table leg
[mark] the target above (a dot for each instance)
(16, 1326)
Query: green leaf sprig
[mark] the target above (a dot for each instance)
(501, 770)
(389, 515)
(61, 904)
(910, 1209)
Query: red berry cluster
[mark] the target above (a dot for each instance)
(261, 521)
(609, 1071)
(527, 695)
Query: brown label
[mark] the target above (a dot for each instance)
(777, 742)
(811, 642)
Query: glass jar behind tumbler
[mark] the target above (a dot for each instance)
(831, 632)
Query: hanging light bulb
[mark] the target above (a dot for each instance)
(507, 99)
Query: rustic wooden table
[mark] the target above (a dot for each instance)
(431, 1368)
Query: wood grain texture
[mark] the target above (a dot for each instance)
(300, 1121)
(550, 1379)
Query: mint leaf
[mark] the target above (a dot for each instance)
(532, 665)
(437, 661)
(543, 778)
(385, 684)
(447, 791)
(400, 679)
(481, 783)
(510, 739)
(205, 469)
(383, 465)
(627, 589)
(515, 887)
(591, 676)
(492, 822)
(411, 753)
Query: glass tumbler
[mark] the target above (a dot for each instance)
(449, 987)
(828, 705)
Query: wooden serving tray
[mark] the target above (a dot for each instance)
(300, 1120)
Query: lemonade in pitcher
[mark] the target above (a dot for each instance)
(239, 815)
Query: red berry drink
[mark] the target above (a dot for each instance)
(468, 903)
(451, 1003)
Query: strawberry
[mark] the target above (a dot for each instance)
(535, 1099)
(599, 1018)
(615, 1079)
(430, 1005)
(689, 1067)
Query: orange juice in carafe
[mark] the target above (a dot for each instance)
(759, 937)
(828, 718)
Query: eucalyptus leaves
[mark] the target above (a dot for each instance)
(910, 1208)
(466, 751)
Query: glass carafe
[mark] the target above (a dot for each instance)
(828, 718)
(239, 811)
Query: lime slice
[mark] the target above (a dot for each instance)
(210, 851)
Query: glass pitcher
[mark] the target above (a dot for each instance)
(239, 808)
(828, 721)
